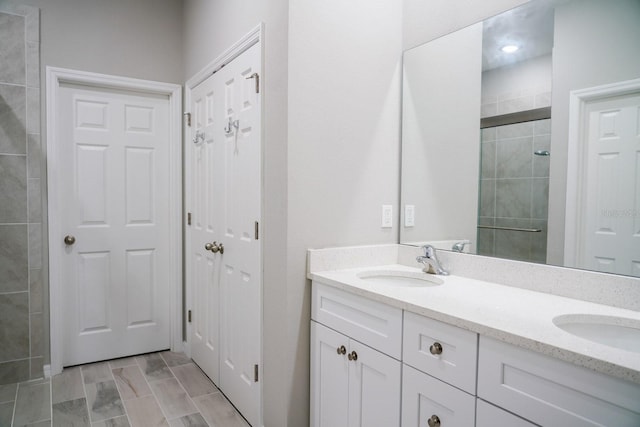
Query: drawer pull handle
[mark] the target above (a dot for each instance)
(434, 421)
(342, 350)
(353, 356)
(435, 349)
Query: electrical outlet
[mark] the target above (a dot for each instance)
(387, 216)
(409, 215)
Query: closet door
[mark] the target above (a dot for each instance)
(225, 252)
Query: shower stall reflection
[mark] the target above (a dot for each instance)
(514, 191)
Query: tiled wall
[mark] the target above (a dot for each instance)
(514, 190)
(22, 297)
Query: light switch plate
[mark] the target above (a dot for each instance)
(409, 215)
(387, 216)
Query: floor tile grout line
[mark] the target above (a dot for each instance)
(51, 400)
(187, 394)
(124, 407)
(15, 403)
(164, 413)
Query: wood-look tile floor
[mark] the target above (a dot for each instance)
(159, 389)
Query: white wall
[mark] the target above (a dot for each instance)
(595, 44)
(210, 27)
(343, 147)
(441, 137)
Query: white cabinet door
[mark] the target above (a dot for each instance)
(351, 384)
(374, 388)
(329, 377)
(425, 397)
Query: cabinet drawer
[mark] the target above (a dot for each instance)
(456, 364)
(552, 392)
(424, 397)
(488, 415)
(370, 322)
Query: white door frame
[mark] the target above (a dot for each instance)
(55, 77)
(577, 158)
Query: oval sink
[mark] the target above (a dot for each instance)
(618, 332)
(400, 278)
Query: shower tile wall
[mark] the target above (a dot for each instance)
(22, 320)
(514, 188)
(513, 102)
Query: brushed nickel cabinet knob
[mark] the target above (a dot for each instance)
(436, 348)
(69, 240)
(434, 421)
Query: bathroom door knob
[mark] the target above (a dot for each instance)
(69, 240)
(434, 421)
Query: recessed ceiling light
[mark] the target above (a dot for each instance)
(510, 48)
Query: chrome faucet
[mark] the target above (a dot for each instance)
(459, 246)
(430, 261)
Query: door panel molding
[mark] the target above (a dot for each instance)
(55, 77)
(578, 100)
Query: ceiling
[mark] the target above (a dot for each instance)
(529, 26)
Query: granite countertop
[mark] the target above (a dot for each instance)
(517, 316)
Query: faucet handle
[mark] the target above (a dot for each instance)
(429, 251)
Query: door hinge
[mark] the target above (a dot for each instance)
(189, 316)
(188, 218)
(257, 230)
(188, 117)
(257, 77)
(255, 373)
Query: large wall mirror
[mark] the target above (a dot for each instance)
(521, 137)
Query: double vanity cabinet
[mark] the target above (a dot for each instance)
(375, 364)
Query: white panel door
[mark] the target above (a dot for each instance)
(329, 377)
(240, 289)
(206, 172)
(611, 183)
(116, 199)
(225, 202)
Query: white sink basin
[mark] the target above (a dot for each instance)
(400, 278)
(618, 332)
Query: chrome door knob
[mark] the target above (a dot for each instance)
(69, 240)
(208, 247)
